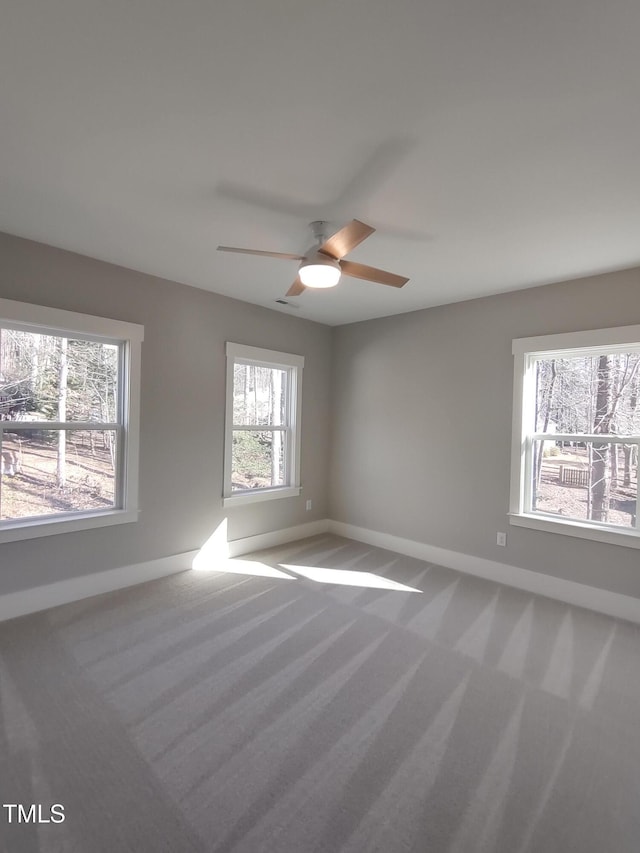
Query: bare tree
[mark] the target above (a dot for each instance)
(63, 370)
(544, 396)
(276, 420)
(600, 484)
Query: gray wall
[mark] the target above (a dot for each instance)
(183, 401)
(420, 418)
(421, 425)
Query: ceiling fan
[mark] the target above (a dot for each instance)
(323, 264)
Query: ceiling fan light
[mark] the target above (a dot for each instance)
(319, 275)
(319, 272)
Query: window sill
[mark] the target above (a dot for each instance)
(14, 531)
(626, 538)
(255, 495)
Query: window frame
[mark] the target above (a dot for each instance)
(526, 351)
(293, 366)
(38, 319)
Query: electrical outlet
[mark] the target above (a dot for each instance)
(501, 539)
(309, 505)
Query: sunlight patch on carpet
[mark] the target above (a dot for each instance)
(347, 578)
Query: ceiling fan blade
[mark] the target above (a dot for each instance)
(285, 255)
(296, 288)
(372, 274)
(346, 239)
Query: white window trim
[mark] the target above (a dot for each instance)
(43, 320)
(524, 351)
(294, 365)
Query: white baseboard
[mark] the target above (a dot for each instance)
(20, 603)
(600, 600)
(237, 547)
(25, 601)
(62, 592)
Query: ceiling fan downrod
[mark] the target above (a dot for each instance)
(318, 229)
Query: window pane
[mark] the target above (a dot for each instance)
(259, 395)
(586, 481)
(45, 377)
(588, 394)
(56, 471)
(258, 459)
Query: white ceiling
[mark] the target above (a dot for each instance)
(493, 144)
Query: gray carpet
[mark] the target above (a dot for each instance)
(236, 713)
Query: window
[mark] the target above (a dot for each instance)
(263, 416)
(69, 415)
(576, 434)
